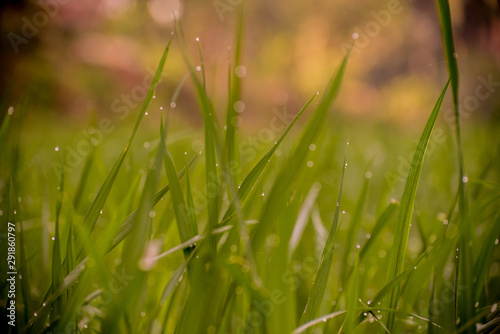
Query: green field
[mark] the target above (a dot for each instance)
(316, 222)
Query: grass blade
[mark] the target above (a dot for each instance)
(315, 299)
(397, 256)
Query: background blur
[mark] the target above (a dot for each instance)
(72, 57)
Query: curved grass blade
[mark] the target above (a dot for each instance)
(253, 175)
(398, 251)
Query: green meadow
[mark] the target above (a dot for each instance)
(314, 221)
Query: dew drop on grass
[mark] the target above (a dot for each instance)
(56, 149)
(240, 71)
(152, 213)
(146, 144)
(239, 106)
(143, 314)
(324, 319)
(310, 163)
(338, 204)
(445, 222)
(496, 241)
(198, 68)
(355, 36)
(100, 212)
(368, 175)
(343, 212)
(154, 96)
(53, 238)
(358, 246)
(476, 304)
(43, 304)
(312, 147)
(262, 194)
(369, 302)
(368, 236)
(10, 111)
(173, 105)
(35, 314)
(465, 179)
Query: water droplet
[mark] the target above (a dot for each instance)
(43, 304)
(146, 113)
(56, 149)
(465, 179)
(100, 212)
(368, 175)
(445, 222)
(197, 39)
(364, 313)
(198, 68)
(10, 111)
(161, 108)
(355, 36)
(217, 165)
(310, 163)
(476, 304)
(312, 147)
(234, 248)
(317, 93)
(143, 314)
(173, 105)
(35, 314)
(338, 204)
(152, 213)
(496, 241)
(154, 96)
(53, 238)
(369, 302)
(415, 267)
(146, 144)
(368, 236)
(358, 246)
(85, 326)
(240, 71)
(239, 187)
(262, 194)
(343, 212)
(239, 106)
(347, 143)
(324, 319)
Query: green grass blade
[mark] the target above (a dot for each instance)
(398, 251)
(317, 293)
(234, 89)
(278, 195)
(353, 228)
(184, 223)
(212, 139)
(382, 220)
(57, 270)
(190, 203)
(97, 205)
(252, 177)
